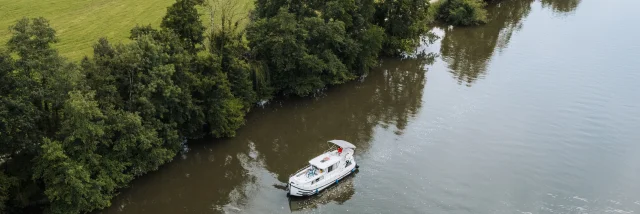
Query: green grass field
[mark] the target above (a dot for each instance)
(80, 23)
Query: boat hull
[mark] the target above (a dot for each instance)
(302, 191)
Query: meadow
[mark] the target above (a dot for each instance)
(80, 23)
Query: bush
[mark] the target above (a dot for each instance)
(404, 22)
(462, 12)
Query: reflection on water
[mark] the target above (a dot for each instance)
(468, 50)
(561, 6)
(336, 193)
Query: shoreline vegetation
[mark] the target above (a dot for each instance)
(459, 12)
(72, 133)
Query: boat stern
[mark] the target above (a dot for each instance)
(294, 190)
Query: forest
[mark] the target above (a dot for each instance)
(72, 133)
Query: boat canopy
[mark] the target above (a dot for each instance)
(324, 161)
(343, 144)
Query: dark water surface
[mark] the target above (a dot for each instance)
(536, 112)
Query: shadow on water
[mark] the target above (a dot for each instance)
(338, 193)
(246, 172)
(468, 50)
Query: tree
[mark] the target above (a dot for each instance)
(223, 113)
(8, 144)
(6, 183)
(301, 55)
(183, 19)
(365, 38)
(37, 84)
(75, 176)
(95, 152)
(279, 41)
(271, 8)
(42, 77)
(404, 22)
(463, 12)
(32, 39)
(226, 41)
(142, 76)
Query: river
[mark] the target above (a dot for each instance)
(537, 111)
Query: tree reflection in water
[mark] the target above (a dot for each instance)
(468, 50)
(562, 7)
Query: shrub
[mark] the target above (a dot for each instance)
(462, 12)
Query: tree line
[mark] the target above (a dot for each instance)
(73, 133)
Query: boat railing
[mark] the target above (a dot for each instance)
(300, 170)
(330, 150)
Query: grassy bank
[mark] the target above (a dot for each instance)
(79, 23)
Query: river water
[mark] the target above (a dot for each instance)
(537, 111)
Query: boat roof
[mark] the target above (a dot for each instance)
(324, 160)
(343, 144)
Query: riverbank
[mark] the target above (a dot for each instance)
(77, 132)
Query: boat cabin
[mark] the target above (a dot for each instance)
(326, 162)
(318, 167)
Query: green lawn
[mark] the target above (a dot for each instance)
(79, 23)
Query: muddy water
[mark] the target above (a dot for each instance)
(537, 111)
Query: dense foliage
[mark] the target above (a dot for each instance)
(73, 133)
(307, 45)
(404, 22)
(462, 12)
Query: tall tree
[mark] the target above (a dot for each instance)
(222, 112)
(143, 77)
(182, 18)
(365, 38)
(302, 55)
(307, 45)
(226, 40)
(74, 174)
(39, 80)
(404, 22)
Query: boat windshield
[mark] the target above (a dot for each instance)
(312, 171)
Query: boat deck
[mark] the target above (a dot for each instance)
(321, 162)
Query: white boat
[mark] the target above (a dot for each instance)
(323, 171)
